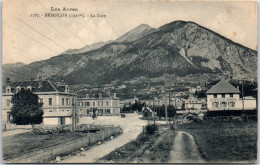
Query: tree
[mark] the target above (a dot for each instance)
(200, 94)
(26, 109)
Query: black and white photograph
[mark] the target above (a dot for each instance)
(120, 81)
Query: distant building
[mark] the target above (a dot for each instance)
(181, 94)
(97, 102)
(194, 89)
(224, 96)
(178, 103)
(56, 98)
(193, 103)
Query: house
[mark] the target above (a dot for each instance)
(193, 103)
(178, 103)
(224, 96)
(97, 102)
(57, 100)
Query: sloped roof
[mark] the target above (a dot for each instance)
(46, 86)
(223, 87)
(92, 94)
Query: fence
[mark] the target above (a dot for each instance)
(63, 148)
(231, 118)
(6, 127)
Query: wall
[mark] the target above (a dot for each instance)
(51, 121)
(68, 120)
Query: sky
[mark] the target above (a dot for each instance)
(27, 38)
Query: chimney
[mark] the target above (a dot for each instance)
(8, 81)
(40, 81)
(108, 93)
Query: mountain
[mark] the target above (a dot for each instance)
(86, 48)
(13, 65)
(10, 70)
(178, 48)
(136, 33)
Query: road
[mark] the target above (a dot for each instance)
(14, 132)
(185, 149)
(132, 126)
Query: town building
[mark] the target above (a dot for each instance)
(57, 100)
(97, 102)
(224, 96)
(178, 103)
(193, 103)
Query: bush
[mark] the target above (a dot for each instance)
(150, 129)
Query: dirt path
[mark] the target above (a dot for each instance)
(14, 132)
(132, 127)
(185, 149)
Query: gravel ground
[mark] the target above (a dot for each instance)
(132, 126)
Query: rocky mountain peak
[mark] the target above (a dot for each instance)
(136, 33)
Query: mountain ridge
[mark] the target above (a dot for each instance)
(180, 48)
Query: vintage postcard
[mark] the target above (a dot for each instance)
(120, 81)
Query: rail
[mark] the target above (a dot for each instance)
(51, 151)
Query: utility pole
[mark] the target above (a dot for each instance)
(73, 115)
(153, 111)
(243, 95)
(169, 102)
(166, 116)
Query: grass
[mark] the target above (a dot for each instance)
(146, 148)
(22, 143)
(225, 141)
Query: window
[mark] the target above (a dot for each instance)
(215, 105)
(67, 101)
(8, 90)
(223, 95)
(50, 101)
(41, 100)
(100, 103)
(231, 95)
(100, 95)
(223, 104)
(94, 103)
(8, 102)
(29, 87)
(18, 89)
(107, 111)
(215, 96)
(232, 104)
(107, 103)
(87, 103)
(63, 101)
(116, 103)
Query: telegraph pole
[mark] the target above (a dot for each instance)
(169, 102)
(73, 114)
(243, 95)
(166, 116)
(153, 112)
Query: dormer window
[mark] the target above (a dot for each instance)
(8, 89)
(30, 88)
(18, 89)
(67, 89)
(100, 96)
